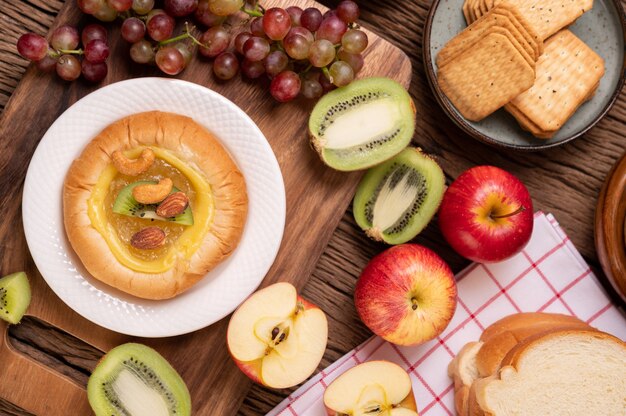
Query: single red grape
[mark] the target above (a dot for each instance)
(94, 72)
(240, 39)
(142, 7)
(297, 46)
(354, 60)
(252, 69)
(65, 37)
(348, 11)
(354, 41)
(47, 64)
(105, 13)
(341, 73)
(295, 13)
(256, 27)
(225, 65)
(92, 32)
(299, 30)
(170, 60)
(214, 41)
(180, 8)
(275, 63)
(276, 23)
(311, 19)
(311, 88)
(133, 29)
(160, 26)
(183, 48)
(332, 29)
(68, 67)
(255, 48)
(321, 53)
(96, 51)
(32, 46)
(285, 86)
(142, 52)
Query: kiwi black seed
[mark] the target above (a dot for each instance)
(135, 380)
(362, 124)
(397, 199)
(14, 297)
(125, 204)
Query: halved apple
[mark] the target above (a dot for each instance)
(277, 338)
(379, 388)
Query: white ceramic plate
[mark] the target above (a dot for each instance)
(225, 287)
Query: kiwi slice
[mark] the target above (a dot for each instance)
(14, 297)
(125, 204)
(397, 199)
(362, 124)
(135, 380)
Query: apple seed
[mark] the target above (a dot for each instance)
(275, 332)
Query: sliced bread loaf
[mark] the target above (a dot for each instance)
(567, 372)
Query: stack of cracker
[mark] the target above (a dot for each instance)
(565, 72)
(568, 74)
(489, 63)
(546, 16)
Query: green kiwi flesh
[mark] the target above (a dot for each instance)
(362, 124)
(397, 199)
(135, 380)
(14, 297)
(125, 204)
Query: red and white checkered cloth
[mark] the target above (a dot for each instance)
(548, 275)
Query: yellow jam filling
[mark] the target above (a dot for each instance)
(182, 240)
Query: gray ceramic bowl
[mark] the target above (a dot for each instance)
(603, 28)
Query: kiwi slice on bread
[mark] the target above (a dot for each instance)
(133, 379)
(14, 297)
(125, 204)
(397, 199)
(362, 124)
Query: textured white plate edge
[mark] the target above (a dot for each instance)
(282, 206)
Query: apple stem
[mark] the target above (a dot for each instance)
(517, 211)
(414, 301)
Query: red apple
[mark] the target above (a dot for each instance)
(486, 214)
(277, 338)
(406, 295)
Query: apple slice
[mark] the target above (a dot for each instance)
(277, 338)
(379, 388)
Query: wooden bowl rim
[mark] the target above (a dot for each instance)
(470, 130)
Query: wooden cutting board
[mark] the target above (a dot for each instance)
(316, 200)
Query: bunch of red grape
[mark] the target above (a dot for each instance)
(61, 53)
(302, 51)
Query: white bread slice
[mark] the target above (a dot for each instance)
(571, 372)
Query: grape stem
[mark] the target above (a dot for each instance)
(254, 13)
(327, 74)
(183, 36)
(56, 53)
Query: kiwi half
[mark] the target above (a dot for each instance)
(135, 380)
(396, 200)
(125, 204)
(14, 297)
(362, 124)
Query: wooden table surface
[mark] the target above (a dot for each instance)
(565, 181)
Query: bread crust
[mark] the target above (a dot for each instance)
(200, 150)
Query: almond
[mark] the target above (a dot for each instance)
(149, 238)
(173, 205)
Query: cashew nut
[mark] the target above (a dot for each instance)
(151, 194)
(134, 167)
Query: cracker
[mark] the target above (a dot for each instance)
(476, 31)
(466, 12)
(549, 16)
(533, 45)
(527, 124)
(528, 30)
(567, 74)
(477, 10)
(485, 76)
